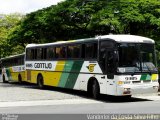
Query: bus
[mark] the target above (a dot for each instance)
(118, 65)
(12, 68)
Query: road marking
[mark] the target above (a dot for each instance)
(47, 102)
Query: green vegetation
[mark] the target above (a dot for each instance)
(75, 19)
(8, 24)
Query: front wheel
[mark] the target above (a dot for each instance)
(95, 90)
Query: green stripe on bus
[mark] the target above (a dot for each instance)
(8, 73)
(148, 77)
(64, 76)
(73, 76)
(145, 77)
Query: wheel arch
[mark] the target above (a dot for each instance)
(90, 82)
(40, 81)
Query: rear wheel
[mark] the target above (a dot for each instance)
(40, 81)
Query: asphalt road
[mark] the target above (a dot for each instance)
(19, 99)
(135, 107)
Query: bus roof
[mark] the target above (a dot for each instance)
(128, 38)
(117, 38)
(13, 56)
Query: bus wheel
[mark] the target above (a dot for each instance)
(19, 79)
(95, 90)
(4, 79)
(40, 81)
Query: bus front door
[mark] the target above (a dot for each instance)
(110, 71)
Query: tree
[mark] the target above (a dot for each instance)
(7, 24)
(73, 19)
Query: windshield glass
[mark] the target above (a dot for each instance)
(136, 57)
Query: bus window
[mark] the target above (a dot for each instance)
(28, 54)
(44, 53)
(39, 53)
(91, 51)
(83, 51)
(74, 51)
(70, 51)
(60, 52)
(33, 54)
(50, 53)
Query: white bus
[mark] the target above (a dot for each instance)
(12, 68)
(119, 65)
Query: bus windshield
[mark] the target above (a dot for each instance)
(136, 57)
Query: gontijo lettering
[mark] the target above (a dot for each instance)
(43, 65)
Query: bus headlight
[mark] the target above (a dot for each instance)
(120, 82)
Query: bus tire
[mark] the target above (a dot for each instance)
(95, 90)
(4, 79)
(40, 82)
(19, 79)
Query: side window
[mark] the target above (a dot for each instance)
(50, 53)
(106, 45)
(91, 51)
(23, 59)
(83, 51)
(77, 51)
(60, 52)
(19, 60)
(70, 51)
(39, 53)
(74, 51)
(33, 54)
(44, 53)
(36, 54)
(28, 54)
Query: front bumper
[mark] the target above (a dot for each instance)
(132, 89)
